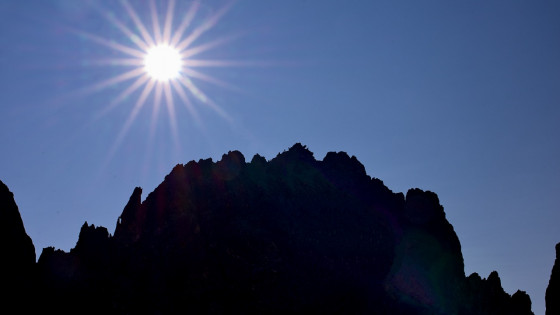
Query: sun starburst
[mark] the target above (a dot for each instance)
(162, 62)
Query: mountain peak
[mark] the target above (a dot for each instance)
(289, 235)
(552, 297)
(16, 244)
(18, 253)
(128, 224)
(297, 152)
(344, 163)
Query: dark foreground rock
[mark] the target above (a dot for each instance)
(17, 260)
(553, 290)
(289, 235)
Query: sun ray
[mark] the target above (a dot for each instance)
(117, 62)
(233, 63)
(207, 46)
(171, 112)
(141, 28)
(208, 24)
(203, 98)
(111, 44)
(114, 80)
(135, 110)
(169, 104)
(210, 79)
(155, 22)
(218, 63)
(187, 19)
(168, 21)
(124, 94)
(186, 101)
(118, 24)
(155, 114)
(155, 110)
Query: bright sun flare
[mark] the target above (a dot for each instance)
(163, 63)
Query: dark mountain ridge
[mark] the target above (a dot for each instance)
(289, 235)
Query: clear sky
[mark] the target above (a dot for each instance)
(458, 97)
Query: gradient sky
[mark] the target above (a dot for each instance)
(457, 97)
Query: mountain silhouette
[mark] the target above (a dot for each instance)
(289, 235)
(552, 297)
(18, 253)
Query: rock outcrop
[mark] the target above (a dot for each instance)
(486, 296)
(18, 253)
(289, 235)
(553, 290)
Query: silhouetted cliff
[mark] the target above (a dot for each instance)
(18, 253)
(289, 235)
(553, 289)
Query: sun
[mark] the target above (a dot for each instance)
(161, 60)
(163, 63)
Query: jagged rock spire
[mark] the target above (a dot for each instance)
(553, 289)
(16, 245)
(18, 255)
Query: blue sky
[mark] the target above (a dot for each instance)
(456, 97)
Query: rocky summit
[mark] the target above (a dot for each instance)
(289, 235)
